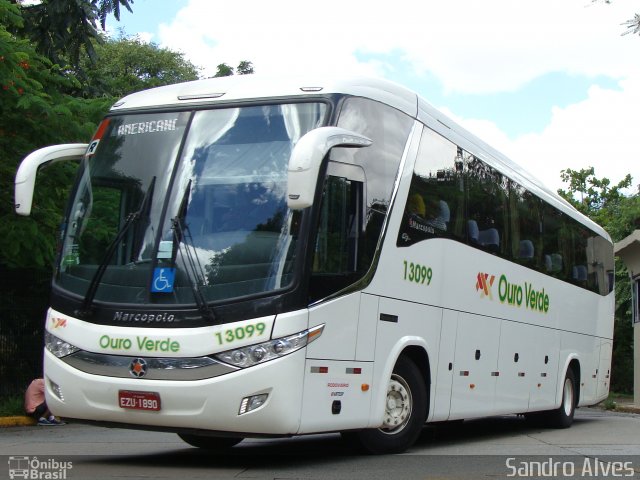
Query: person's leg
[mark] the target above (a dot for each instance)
(41, 411)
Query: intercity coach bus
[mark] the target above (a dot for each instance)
(254, 257)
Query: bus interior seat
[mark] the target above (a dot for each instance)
(490, 238)
(526, 249)
(553, 262)
(556, 262)
(579, 273)
(473, 231)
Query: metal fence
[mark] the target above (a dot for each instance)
(24, 298)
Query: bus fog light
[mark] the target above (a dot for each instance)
(57, 391)
(252, 402)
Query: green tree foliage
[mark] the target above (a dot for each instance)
(107, 7)
(602, 201)
(128, 64)
(224, 70)
(33, 113)
(244, 68)
(607, 205)
(66, 28)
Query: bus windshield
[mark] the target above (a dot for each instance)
(185, 207)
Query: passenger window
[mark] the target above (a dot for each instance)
(453, 194)
(525, 227)
(389, 130)
(337, 259)
(488, 209)
(353, 210)
(435, 204)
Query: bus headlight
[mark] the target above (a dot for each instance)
(263, 352)
(57, 346)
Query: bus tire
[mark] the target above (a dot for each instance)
(405, 413)
(562, 417)
(209, 443)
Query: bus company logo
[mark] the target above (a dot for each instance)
(138, 367)
(522, 295)
(27, 467)
(58, 323)
(484, 283)
(514, 294)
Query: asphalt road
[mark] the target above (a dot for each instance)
(599, 445)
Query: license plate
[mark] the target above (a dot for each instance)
(139, 400)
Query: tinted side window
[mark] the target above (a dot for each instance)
(488, 207)
(525, 226)
(389, 129)
(455, 195)
(435, 205)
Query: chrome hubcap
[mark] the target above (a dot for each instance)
(398, 406)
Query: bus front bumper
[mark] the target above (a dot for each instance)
(208, 404)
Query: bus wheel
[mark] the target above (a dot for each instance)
(563, 416)
(209, 443)
(404, 415)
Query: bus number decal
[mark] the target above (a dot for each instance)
(240, 333)
(414, 272)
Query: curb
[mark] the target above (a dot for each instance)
(627, 408)
(17, 421)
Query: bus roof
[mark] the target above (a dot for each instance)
(238, 88)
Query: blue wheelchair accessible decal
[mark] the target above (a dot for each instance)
(163, 279)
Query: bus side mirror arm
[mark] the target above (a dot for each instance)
(26, 175)
(306, 159)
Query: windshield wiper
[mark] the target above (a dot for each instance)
(143, 212)
(195, 271)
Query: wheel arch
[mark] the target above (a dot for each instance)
(417, 350)
(572, 363)
(419, 356)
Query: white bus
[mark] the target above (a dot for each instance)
(246, 257)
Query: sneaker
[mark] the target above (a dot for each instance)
(44, 422)
(54, 421)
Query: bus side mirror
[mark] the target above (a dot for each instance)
(307, 156)
(26, 175)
